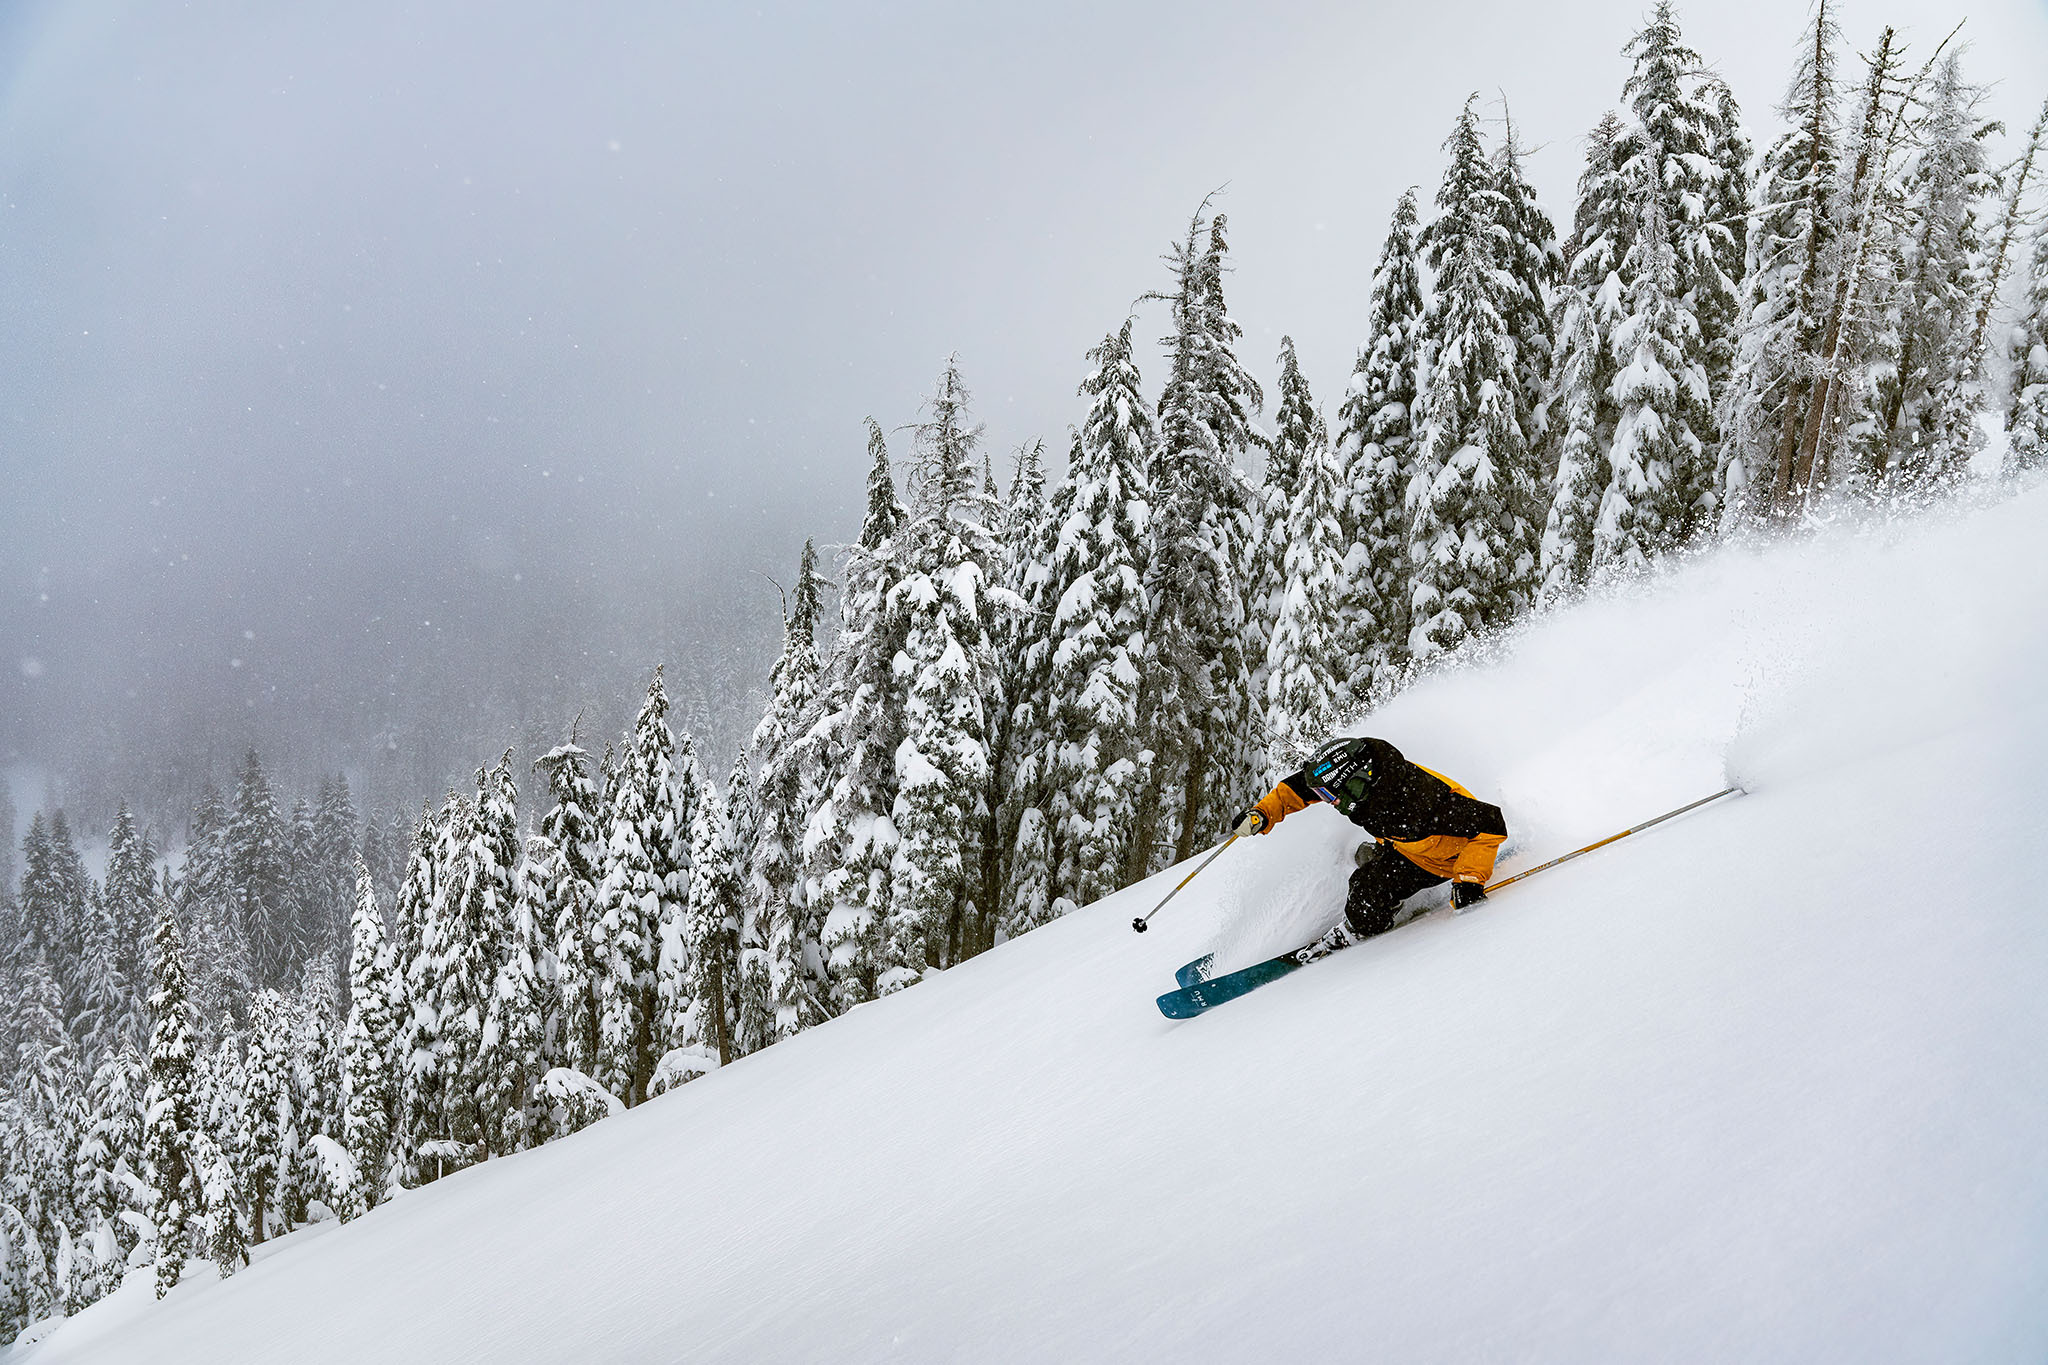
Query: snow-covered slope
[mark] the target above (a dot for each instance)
(1767, 1083)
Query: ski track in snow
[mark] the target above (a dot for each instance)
(1766, 1083)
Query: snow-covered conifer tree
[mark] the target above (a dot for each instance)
(1306, 668)
(1534, 265)
(944, 767)
(711, 930)
(438, 995)
(524, 995)
(317, 1063)
(1660, 394)
(1792, 239)
(370, 1040)
(224, 1231)
(258, 851)
(130, 893)
(1720, 309)
(674, 998)
(1937, 267)
(452, 978)
(1676, 145)
(645, 855)
(105, 1019)
(1472, 547)
(851, 834)
(2027, 422)
(1022, 660)
(780, 920)
(1086, 610)
(55, 910)
(271, 1136)
(107, 1170)
(170, 1116)
(1583, 405)
(563, 869)
(334, 851)
(1375, 445)
(1197, 713)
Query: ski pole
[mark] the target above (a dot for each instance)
(1139, 923)
(1632, 829)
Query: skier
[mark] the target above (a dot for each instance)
(1426, 830)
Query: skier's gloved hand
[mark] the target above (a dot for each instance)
(1466, 893)
(1249, 821)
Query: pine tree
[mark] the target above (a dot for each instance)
(750, 996)
(1675, 151)
(225, 1228)
(107, 1169)
(1792, 240)
(42, 1122)
(1295, 421)
(1836, 408)
(304, 889)
(170, 1122)
(944, 766)
(1375, 446)
(427, 907)
(1584, 409)
(334, 850)
(110, 1157)
(712, 928)
(130, 894)
(851, 831)
(1471, 543)
(564, 867)
(474, 923)
(271, 1136)
(2027, 421)
(1727, 217)
(1534, 265)
(1306, 666)
(1077, 776)
(1019, 737)
(222, 976)
(675, 1001)
(105, 1021)
(258, 856)
(523, 1002)
(1196, 708)
(645, 871)
(779, 921)
(370, 1040)
(1661, 393)
(55, 912)
(1937, 265)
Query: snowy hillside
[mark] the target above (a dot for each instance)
(1767, 1083)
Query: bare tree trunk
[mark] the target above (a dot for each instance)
(1791, 421)
(1862, 181)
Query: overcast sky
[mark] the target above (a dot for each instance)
(374, 372)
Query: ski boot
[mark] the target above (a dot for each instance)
(1340, 936)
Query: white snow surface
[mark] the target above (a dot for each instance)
(1767, 1083)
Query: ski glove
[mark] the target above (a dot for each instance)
(1250, 820)
(1466, 893)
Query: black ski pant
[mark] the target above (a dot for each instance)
(1379, 887)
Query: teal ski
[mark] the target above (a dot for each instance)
(1190, 1000)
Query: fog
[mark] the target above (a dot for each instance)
(383, 384)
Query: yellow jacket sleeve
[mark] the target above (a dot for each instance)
(1279, 803)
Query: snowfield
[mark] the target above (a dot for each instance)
(1767, 1083)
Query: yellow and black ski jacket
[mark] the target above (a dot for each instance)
(1427, 818)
